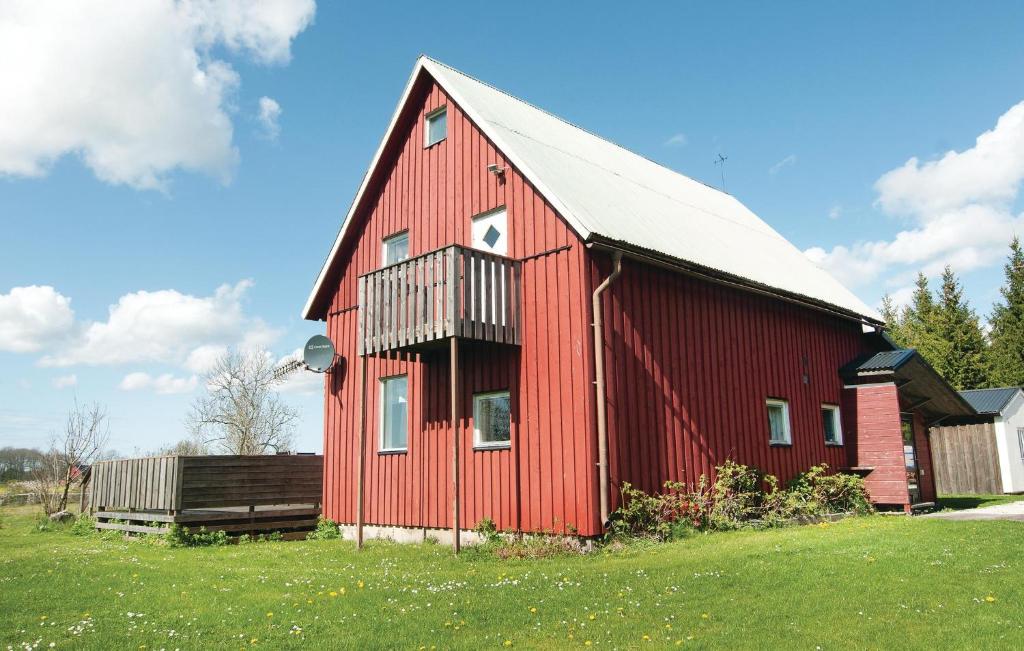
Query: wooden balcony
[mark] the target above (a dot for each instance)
(454, 291)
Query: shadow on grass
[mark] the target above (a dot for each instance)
(962, 502)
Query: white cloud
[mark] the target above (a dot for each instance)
(132, 88)
(65, 381)
(33, 317)
(959, 207)
(164, 384)
(835, 212)
(167, 326)
(270, 113)
(203, 358)
(677, 140)
(785, 162)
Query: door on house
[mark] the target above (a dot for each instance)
(910, 458)
(489, 233)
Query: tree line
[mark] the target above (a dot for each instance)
(947, 332)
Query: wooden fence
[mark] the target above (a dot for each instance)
(965, 459)
(208, 491)
(450, 292)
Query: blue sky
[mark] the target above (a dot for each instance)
(140, 201)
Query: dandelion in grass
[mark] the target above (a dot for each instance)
(990, 599)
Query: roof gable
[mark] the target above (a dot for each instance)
(607, 193)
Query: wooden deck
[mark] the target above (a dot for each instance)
(450, 292)
(236, 494)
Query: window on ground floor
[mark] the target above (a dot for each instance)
(1020, 441)
(394, 414)
(832, 424)
(778, 422)
(492, 420)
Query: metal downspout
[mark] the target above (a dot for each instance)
(602, 407)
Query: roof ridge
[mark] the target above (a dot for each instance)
(574, 125)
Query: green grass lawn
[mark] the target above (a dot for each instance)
(875, 582)
(960, 502)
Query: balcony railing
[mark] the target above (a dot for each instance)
(450, 292)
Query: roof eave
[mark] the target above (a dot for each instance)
(596, 240)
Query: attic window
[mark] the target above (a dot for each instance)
(436, 127)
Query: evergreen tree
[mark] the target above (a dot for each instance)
(1007, 321)
(963, 358)
(919, 325)
(893, 322)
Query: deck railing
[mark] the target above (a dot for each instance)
(174, 483)
(454, 291)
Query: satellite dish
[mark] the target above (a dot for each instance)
(318, 354)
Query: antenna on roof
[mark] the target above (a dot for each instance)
(721, 161)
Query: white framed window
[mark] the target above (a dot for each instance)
(394, 413)
(436, 126)
(1020, 441)
(395, 249)
(832, 424)
(492, 420)
(778, 422)
(489, 231)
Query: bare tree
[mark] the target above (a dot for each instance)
(190, 447)
(85, 433)
(242, 412)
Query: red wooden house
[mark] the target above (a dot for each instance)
(530, 315)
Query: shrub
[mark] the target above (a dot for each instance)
(819, 493)
(84, 525)
(741, 496)
(178, 536)
(487, 530)
(326, 529)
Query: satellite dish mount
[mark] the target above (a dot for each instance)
(319, 355)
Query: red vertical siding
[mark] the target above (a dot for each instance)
(880, 443)
(546, 480)
(690, 364)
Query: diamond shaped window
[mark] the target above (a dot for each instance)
(491, 236)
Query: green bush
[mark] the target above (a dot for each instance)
(487, 530)
(178, 536)
(819, 493)
(741, 496)
(326, 529)
(84, 525)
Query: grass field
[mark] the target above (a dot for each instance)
(875, 582)
(959, 502)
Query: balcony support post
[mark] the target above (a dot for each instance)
(456, 543)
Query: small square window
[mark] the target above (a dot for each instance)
(437, 126)
(778, 422)
(395, 249)
(832, 425)
(394, 414)
(492, 420)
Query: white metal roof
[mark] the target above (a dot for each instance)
(603, 190)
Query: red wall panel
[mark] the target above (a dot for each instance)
(547, 479)
(690, 365)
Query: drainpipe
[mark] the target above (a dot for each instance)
(602, 407)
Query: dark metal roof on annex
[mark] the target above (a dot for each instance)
(990, 401)
(888, 360)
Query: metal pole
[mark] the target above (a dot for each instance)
(360, 463)
(455, 442)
